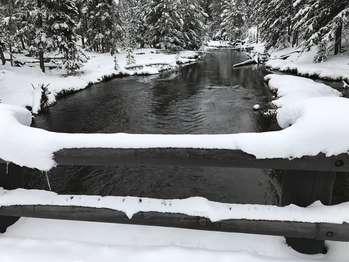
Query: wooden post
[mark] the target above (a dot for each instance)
(303, 188)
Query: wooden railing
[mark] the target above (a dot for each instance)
(306, 180)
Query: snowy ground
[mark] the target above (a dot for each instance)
(37, 240)
(16, 83)
(301, 63)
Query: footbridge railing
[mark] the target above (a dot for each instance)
(306, 180)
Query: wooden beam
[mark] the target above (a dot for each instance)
(317, 231)
(195, 157)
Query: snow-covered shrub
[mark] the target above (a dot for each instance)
(74, 59)
(40, 98)
(322, 53)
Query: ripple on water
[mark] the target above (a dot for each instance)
(210, 97)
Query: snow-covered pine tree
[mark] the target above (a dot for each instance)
(320, 23)
(215, 10)
(59, 28)
(2, 33)
(164, 22)
(275, 17)
(194, 27)
(136, 16)
(9, 26)
(101, 34)
(233, 19)
(127, 14)
(82, 24)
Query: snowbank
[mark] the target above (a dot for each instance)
(301, 63)
(196, 206)
(313, 118)
(39, 240)
(292, 92)
(218, 44)
(17, 84)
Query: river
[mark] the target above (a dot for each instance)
(209, 97)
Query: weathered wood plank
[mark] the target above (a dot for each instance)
(195, 157)
(318, 231)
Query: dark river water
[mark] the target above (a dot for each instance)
(206, 98)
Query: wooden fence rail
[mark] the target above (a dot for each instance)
(315, 231)
(195, 157)
(307, 179)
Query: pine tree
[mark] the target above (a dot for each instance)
(276, 22)
(82, 23)
(101, 23)
(320, 23)
(215, 19)
(135, 19)
(164, 21)
(2, 33)
(129, 30)
(233, 19)
(9, 27)
(194, 23)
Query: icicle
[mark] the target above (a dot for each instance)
(7, 167)
(48, 181)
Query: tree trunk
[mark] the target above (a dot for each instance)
(295, 38)
(22, 43)
(41, 59)
(11, 29)
(83, 42)
(338, 39)
(11, 55)
(2, 56)
(40, 48)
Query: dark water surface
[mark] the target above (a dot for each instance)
(207, 98)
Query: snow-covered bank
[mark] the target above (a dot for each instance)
(312, 118)
(39, 240)
(16, 83)
(301, 63)
(196, 206)
(213, 44)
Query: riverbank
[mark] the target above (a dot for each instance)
(301, 112)
(294, 61)
(22, 85)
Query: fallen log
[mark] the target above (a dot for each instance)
(245, 63)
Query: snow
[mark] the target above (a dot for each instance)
(39, 240)
(195, 206)
(19, 85)
(218, 44)
(256, 107)
(312, 118)
(293, 91)
(335, 68)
